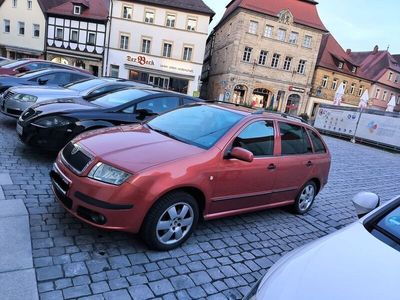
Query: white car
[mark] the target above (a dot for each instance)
(361, 261)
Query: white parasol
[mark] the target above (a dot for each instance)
(364, 100)
(391, 104)
(339, 95)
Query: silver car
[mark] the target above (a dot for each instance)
(17, 99)
(361, 261)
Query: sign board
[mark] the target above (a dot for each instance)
(161, 64)
(296, 89)
(343, 122)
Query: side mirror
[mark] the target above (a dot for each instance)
(241, 154)
(22, 70)
(144, 113)
(365, 202)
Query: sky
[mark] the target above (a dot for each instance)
(356, 24)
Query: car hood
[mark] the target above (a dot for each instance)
(349, 264)
(45, 91)
(134, 148)
(63, 105)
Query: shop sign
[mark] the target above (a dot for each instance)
(141, 60)
(296, 89)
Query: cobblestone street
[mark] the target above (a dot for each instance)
(222, 260)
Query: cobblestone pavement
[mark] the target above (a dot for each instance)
(222, 260)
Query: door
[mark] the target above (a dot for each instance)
(241, 185)
(295, 165)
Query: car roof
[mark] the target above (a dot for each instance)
(46, 71)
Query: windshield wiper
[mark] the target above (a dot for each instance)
(166, 133)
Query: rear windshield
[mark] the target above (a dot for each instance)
(120, 98)
(14, 64)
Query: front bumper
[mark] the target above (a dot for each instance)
(94, 202)
(13, 108)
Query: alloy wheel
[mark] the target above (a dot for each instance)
(306, 197)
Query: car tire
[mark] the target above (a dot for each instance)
(171, 221)
(305, 198)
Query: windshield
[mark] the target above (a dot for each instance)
(120, 97)
(31, 74)
(84, 85)
(199, 125)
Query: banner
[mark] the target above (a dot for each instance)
(381, 129)
(339, 121)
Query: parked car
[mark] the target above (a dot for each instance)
(26, 65)
(358, 262)
(20, 98)
(51, 125)
(199, 161)
(4, 61)
(49, 77)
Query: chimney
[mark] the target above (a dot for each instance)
(348, 51)
(376, 49)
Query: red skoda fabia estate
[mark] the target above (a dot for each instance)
(200, 161)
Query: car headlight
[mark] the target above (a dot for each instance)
(108, 174)
(54, 121)
(25, 98)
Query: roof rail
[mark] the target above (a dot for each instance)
(230, 103)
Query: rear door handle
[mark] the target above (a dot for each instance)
(309, 163)
(271, 167)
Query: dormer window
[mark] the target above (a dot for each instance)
(340, 65)
(354, 69)
(77, 9)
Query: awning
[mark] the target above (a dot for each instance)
(23, 50)
(159, 72)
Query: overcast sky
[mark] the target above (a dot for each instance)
(356, 24)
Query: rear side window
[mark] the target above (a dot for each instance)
(258, 138)
(294, 139)
(159, 105)
(318, 144)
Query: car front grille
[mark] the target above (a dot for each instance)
(76, 158)
(8, 95)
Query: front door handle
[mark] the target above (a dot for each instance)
(309, 164)
(271, 167)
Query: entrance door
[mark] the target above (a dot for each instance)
(261, 97)
(293, 104)
(239, 94)
(158, 81)
(243, 185)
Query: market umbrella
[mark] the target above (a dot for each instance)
(339, 95)
(364, 100)
(391, 104)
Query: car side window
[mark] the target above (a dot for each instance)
(258, 138)
(45, 79)
(60, 78)
(188, 101)
(294, 139)
(319, 146)
(159, 105)
(77, 77)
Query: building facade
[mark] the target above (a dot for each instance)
(334, 67)
(76, 33)
(22, 30)
(264, 53)
(159, 42)
(383, 69)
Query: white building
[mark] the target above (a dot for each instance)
(22, 29)
(76, 33)
(159, 42)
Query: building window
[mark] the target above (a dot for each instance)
(146, 45)
(352, 88)
(335, 84)
(21, 28)
(29, 4)
(390, 76)
(91, 38)
(14, 3)
(187, 53)
(275, 60)
(114, 71)
(354, 69)
(127, 12)
(7, 28)
(124, 42)
(74, 35)
(325, 81)
(247, 54)
(191, 24)
(77, 9)
(345, 85)
(307, 41)
(377, 93)
(263, 57)
(36, 30)
(167, 50)
(340, 65)
(301, 67)
(288, 63)
(149, 17)
(384, 96)
(170, 22)
(360, 90)
(397, 79)
(281, 34)
(253, 27)
(59, 33)
(269, 30)
(293, 37)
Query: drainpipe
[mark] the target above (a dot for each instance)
(105, 73)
